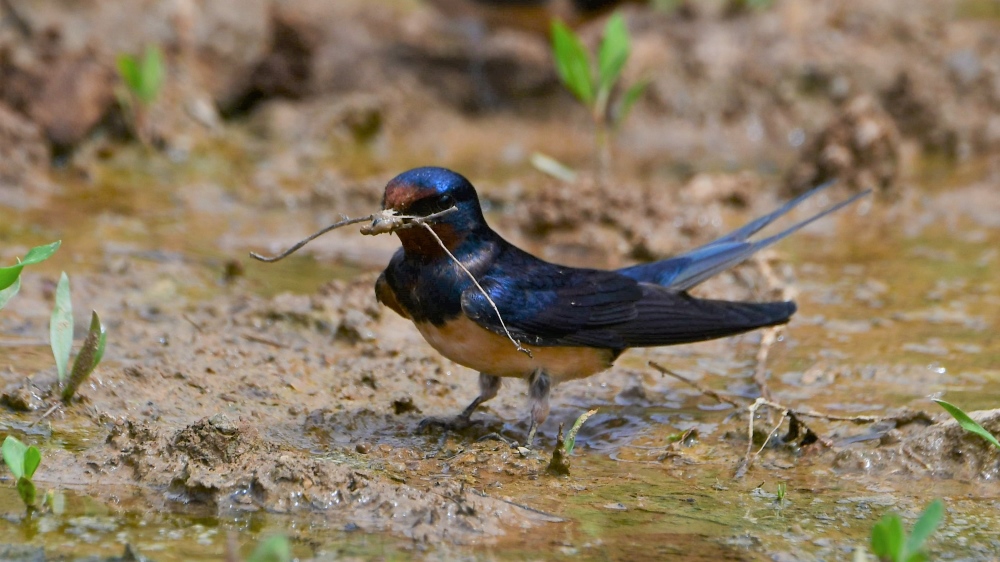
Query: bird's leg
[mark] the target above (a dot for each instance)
(489, 385)
(539, 386)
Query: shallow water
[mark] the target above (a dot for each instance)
(890, 313)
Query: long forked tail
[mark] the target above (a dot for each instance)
(682, 272)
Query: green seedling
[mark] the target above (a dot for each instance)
(967, 423)
(90, 354)
(570, 442)
(272, 549)
(22, 461)
(10, 277)
(61, 339)
(890, 542)
(780, 493)
(144, 77)
(593, 84)
(559, 463)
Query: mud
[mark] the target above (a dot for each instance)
(245, 398)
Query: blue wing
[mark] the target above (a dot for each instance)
(582, 307)
(686, 270)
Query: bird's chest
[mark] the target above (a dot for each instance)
(430, 294)
(468, 344)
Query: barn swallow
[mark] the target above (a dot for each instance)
(566, 323)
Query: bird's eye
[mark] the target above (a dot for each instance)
(431, 205)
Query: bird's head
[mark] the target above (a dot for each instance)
(422, 192)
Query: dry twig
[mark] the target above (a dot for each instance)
(767, 340)
(794, 416)
(703, 389)
(489, 299)
(383, 221)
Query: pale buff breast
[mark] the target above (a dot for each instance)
(468, 344)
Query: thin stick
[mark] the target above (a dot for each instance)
(704, 390)
(265, 341)
(516, 343)
(753, 411)
(383, 221)
(777, 426)
(46, 414)
(301, 243)
(767, 339)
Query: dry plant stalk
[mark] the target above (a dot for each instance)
(516, 343)
(793, 414)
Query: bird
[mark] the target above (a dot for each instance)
(484, 303)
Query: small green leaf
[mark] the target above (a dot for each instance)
(56, 501)
(102, 338)
(41, 253)
(631, 96)
(8, 275)
(572, 62)
(90, 354)
(571, 434)
(26, 489)
(13, 455)
(273, 549)
(61, 327)
(925, 526)
(967, 423)
(128, 69)
(613, 53)
(151, 75)
(888, 538)
(9, 292)
(32, 458)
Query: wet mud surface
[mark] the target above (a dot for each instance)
(241, 399)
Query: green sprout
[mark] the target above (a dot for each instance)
(10, 277)
(61, 339)
(889, 540)
(967, 423)
(570, 442)
(272, 549)
(559, 463)
(143, 77)
(594, 84)
(22, 461)
(780, 493)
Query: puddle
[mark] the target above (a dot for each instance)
(308, 375)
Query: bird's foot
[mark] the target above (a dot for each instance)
(457, 423)
(494, 436)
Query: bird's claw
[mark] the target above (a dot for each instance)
(457, 423)
(494, 436)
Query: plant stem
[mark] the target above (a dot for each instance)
(602, 144)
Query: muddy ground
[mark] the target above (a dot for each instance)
(238, 400)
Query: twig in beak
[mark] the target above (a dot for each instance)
(382, 222)
(305, 241)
